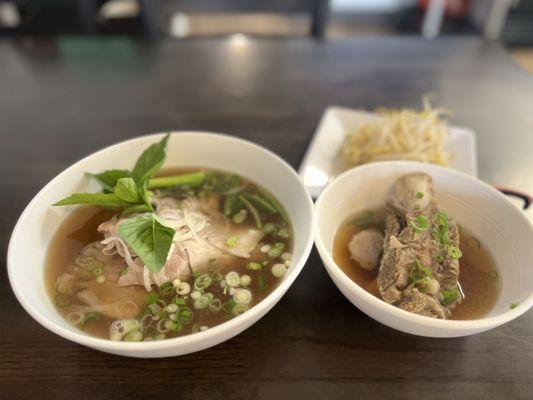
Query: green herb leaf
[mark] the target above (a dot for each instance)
(149, 238)
(97, 199)
(150, 161)
(141, 208)
(449, 296)
(419, 195)
(108, 179)
(126, 189)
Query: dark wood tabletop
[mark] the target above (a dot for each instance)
(63, 99)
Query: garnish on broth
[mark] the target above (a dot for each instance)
(179, 253)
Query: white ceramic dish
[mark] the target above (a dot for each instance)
(321, 162)
(488, 214)
(38, 222)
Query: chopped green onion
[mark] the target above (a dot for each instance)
(89, 317)
(252, 210)
(203, 301)
(242, 296)
(185, 315)
(232, 279)
(418, 272)
(179, 301)
(284, 233)
(166, 288)
(513, 304)
(254, 266)
(215, 305)
(232, 241)
(61, 300)
(455, 252)
(238, 309)
(419, 195)
(270, 228)
(151, 298)
(449, 296)
(134, 336)
(183, 288)
(202, 282)
(240, 216)
(173, 326)
(419, 224)
(278, 270)
(245, 280)
(493, 275)
(275, 252)
(171, 308)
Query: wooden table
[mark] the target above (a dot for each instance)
(61, 100)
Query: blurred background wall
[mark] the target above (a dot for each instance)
(507, 21)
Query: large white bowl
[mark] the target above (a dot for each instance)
(32, 234)
(488, 214)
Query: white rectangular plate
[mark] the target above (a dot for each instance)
(321, 162)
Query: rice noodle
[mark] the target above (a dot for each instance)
(114, 245)
(399, 135)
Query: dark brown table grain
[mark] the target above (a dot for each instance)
(61, 100)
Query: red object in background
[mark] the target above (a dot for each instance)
(454, 8)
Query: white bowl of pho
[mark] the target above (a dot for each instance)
(424, 249)
(162, 245)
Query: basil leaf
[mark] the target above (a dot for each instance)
(149, 162)
(108, 179)
(126, 189)
(97, 199)
(149, 239)
(141, 208)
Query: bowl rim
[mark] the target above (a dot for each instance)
(335, 271)
(232, 327)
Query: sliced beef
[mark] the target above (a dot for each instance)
(416, 265)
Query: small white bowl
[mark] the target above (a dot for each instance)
(35, 227)
(484, 211)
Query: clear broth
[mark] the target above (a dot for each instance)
(479, 276)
